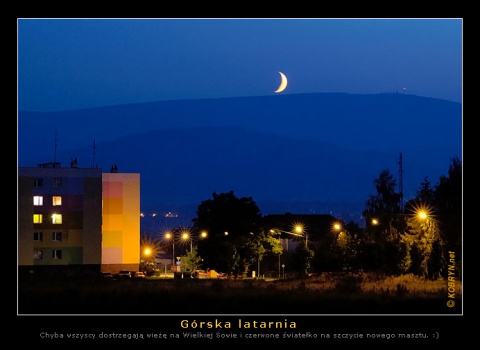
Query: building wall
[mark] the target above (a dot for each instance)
(80, 230)
(25, 223)
(100, 229)
(92, 222)
(121, 222)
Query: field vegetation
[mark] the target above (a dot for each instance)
(327, 293)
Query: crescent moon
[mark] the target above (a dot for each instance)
(283, 84)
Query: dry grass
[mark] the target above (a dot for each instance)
(329, 293)
(378, 284)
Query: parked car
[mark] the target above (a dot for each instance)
(125, 274)
(107, 275)
(139, 274)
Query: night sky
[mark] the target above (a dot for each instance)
(70, 64)
(80, 63)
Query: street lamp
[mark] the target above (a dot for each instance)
(298, 231)
(169, 236)
(422, 214)
(186, 237)
(337, 226)
(145, 261)
(343, 231)
(147, 251)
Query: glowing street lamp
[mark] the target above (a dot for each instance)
(147, 252)
(186, 237)
(342, 233)
(169, 236)
(422, 214)
(297, 231)
(337, 226)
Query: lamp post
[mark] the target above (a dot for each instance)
(145, 258)
(183, 236)
(343, 235)
(258, 268)
(279, 262)
(297, 231)
(186, 237)
(169, 236)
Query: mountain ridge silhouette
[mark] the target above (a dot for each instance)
(304, 148)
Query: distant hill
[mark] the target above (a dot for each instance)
(291, 152)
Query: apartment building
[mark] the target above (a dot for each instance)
(75, 220)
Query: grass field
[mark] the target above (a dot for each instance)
(327, 293)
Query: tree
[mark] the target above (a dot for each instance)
(448, 205)
(425, 244)
(233, 226)
(191, 261)
(425, 194)
(428, 236)
(302, 259)
(385, 223)
(384, 207)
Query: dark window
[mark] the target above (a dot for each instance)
(38, 236)
(56, 236)
(56, 254)
(57, 182)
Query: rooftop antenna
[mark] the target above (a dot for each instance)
(400, 180)
(93, 161)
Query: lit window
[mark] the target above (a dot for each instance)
(56, 236)
(57, 182)
(38, 236)
(37, 200)
(37, 218)
(56, 200)
(56, 218)
(56, 254)
(38, 183)
(37, 254)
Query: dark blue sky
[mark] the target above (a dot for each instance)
(81, 63)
